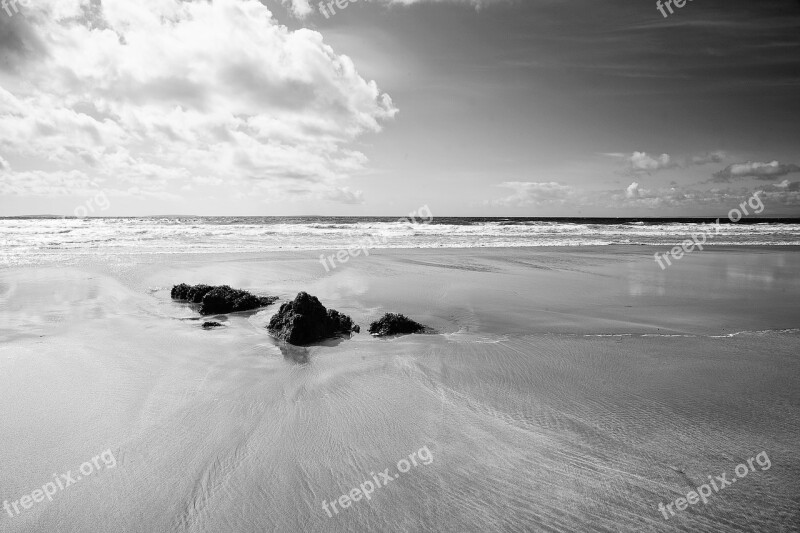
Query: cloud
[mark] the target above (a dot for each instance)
(299, 8)
(760, 171)
(641, 162)
(787, 185)
(677, 199)
(149, 95)
(54, 183)
(475, 3)
(784, 194)
(532, 193)
(4, 164)
(672, 199)
(710, 157)
(346, 196)
(302, 8)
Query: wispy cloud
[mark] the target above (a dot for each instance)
(302, 8)
(532, 193)
(642, 162)
(674, 198)
(754, 169)
(710, 157)
(346, 196)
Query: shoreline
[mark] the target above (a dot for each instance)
(578, 248)
(581, 290)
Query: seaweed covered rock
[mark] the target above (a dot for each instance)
(190, 293)
(178, 292)
(211, 325)
(305, 320)
(223, 299)
(394, 324)
(219, 299)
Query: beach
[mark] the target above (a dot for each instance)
(564, 389)
(424, 266)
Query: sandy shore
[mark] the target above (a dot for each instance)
(567, 389)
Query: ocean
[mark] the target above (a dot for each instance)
(52, 239)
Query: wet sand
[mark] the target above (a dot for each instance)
(566, 390)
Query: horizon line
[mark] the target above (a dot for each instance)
(522, 217)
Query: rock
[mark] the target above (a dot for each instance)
(209, 325)
(179, 292)
(305, 320)
(195, 294)
(394, 324)
(220, 299)
(223, 299)
(190, 293)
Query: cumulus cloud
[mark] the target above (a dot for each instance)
(632, 191)
(641, 162)
(300, 8)
(4, 164)
(757, 170)
(150, 95)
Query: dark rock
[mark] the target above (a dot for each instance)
(190, 293)
(221, 299)
(209, 325)
(305, 320)
(394, 324)
(195, 294)
(179, 292)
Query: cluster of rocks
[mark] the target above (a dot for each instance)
(302, 321)
(219, 299)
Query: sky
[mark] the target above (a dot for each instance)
(471, 107)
